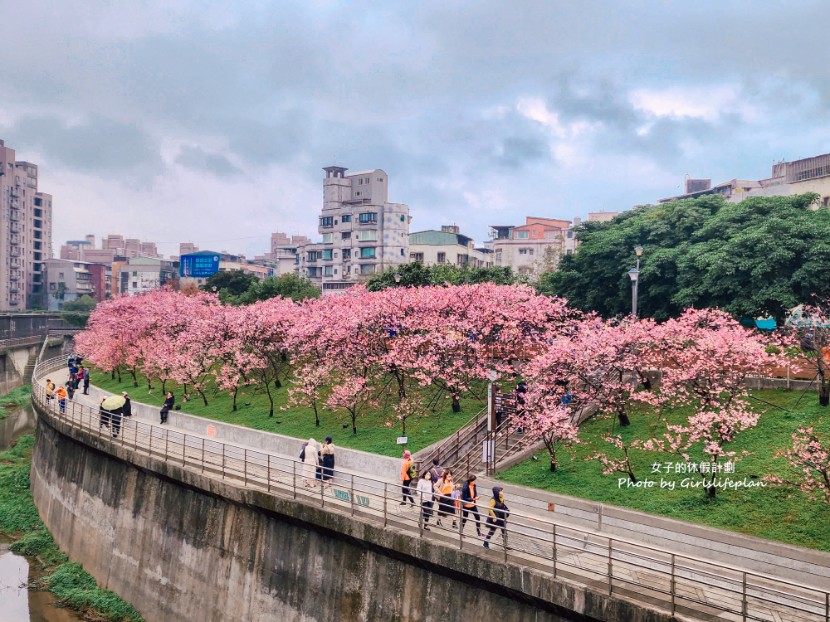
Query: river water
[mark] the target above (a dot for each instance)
(20, 604)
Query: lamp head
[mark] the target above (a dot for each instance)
(397, 277)
(634, 274)
(638, 250)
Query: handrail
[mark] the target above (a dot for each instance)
(627, 568)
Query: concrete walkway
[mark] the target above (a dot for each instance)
(702, 589)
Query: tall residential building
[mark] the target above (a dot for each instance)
(362, 232)
(25, 233)
(66, 281)
(187, 248)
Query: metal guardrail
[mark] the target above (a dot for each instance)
(650, 576)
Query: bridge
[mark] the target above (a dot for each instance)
(203, 520)
(22, 337)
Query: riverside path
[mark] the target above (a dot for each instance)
(691, 588)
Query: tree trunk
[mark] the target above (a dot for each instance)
(552, 465)
(277, 383)
(235, 393)
(135, 377)
(204, 397)
(118, 371)
(354, 423)
(270, 399)
(624, 420)
(164, 386)
(149, 383)
(456, 405)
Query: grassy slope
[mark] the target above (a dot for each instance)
(779, 514)
(14, 400)
(19, 520)
(374, 432)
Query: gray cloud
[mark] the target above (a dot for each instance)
(198, 159)
(428, 92)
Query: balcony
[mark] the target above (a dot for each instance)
(16, 263)
(16, 227)
(14, 239)
(15, 275)
(15, 215)
(15, 251)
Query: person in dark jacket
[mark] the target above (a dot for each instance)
(469, 495)
(86, 382)
(127, 408)
(103, 414)
(115, 419)
(327, 458)
(168, 406)
(497, 518)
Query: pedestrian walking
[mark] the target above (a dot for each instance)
(50, 390)
(80, 376)
(167, 406)
(115, 419)
(437, 471)
(425, 496)
(61, 394)
(86, 382)
(103, 415)
(127, 408)
(70, 389)
(469, 496)
(408, 473)
(497, 518)
(310, 462)
(443, 490)
(327, 460)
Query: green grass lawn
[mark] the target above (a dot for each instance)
(17, 398)
(786, 515)
(374, 432)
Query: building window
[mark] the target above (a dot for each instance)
(368, 217)
(442, 258)
(367, 269)
(521, 235)
(347, 253)
(38, 201)
(367, 253)
(570, 234)
(403, 253)
(327, 271)
(367, 180)
(357, 194)
(326, 221)
(345, 235)
(367, 236)
(346, 218)
(327, 254)
(417, 257)
(327, 238)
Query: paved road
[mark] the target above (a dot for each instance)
(703, 591)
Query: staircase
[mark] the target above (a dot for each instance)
(455, 447)
(29, 369)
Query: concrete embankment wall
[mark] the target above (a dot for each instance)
(181, 546)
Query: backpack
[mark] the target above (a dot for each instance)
(413, 471)
(302, 455)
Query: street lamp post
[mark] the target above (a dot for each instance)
(397, 277)
(634, 275)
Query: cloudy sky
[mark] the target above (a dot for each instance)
(211, 121)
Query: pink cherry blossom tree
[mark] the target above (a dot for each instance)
(809, 461)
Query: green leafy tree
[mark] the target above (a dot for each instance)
(229, 285)
(76, 312)
(757, 257)
(289, 285)
(416, 274)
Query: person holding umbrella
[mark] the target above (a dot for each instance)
(113, 405)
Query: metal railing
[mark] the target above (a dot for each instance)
(647, 575)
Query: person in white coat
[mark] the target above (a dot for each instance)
(426, 496)
(311, 462)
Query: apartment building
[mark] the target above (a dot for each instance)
(129, 247)
(531, 248)
(144, 274)
(786, 178)
(447, 246)
(363, 233)
(66, 280)
(25, 233)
